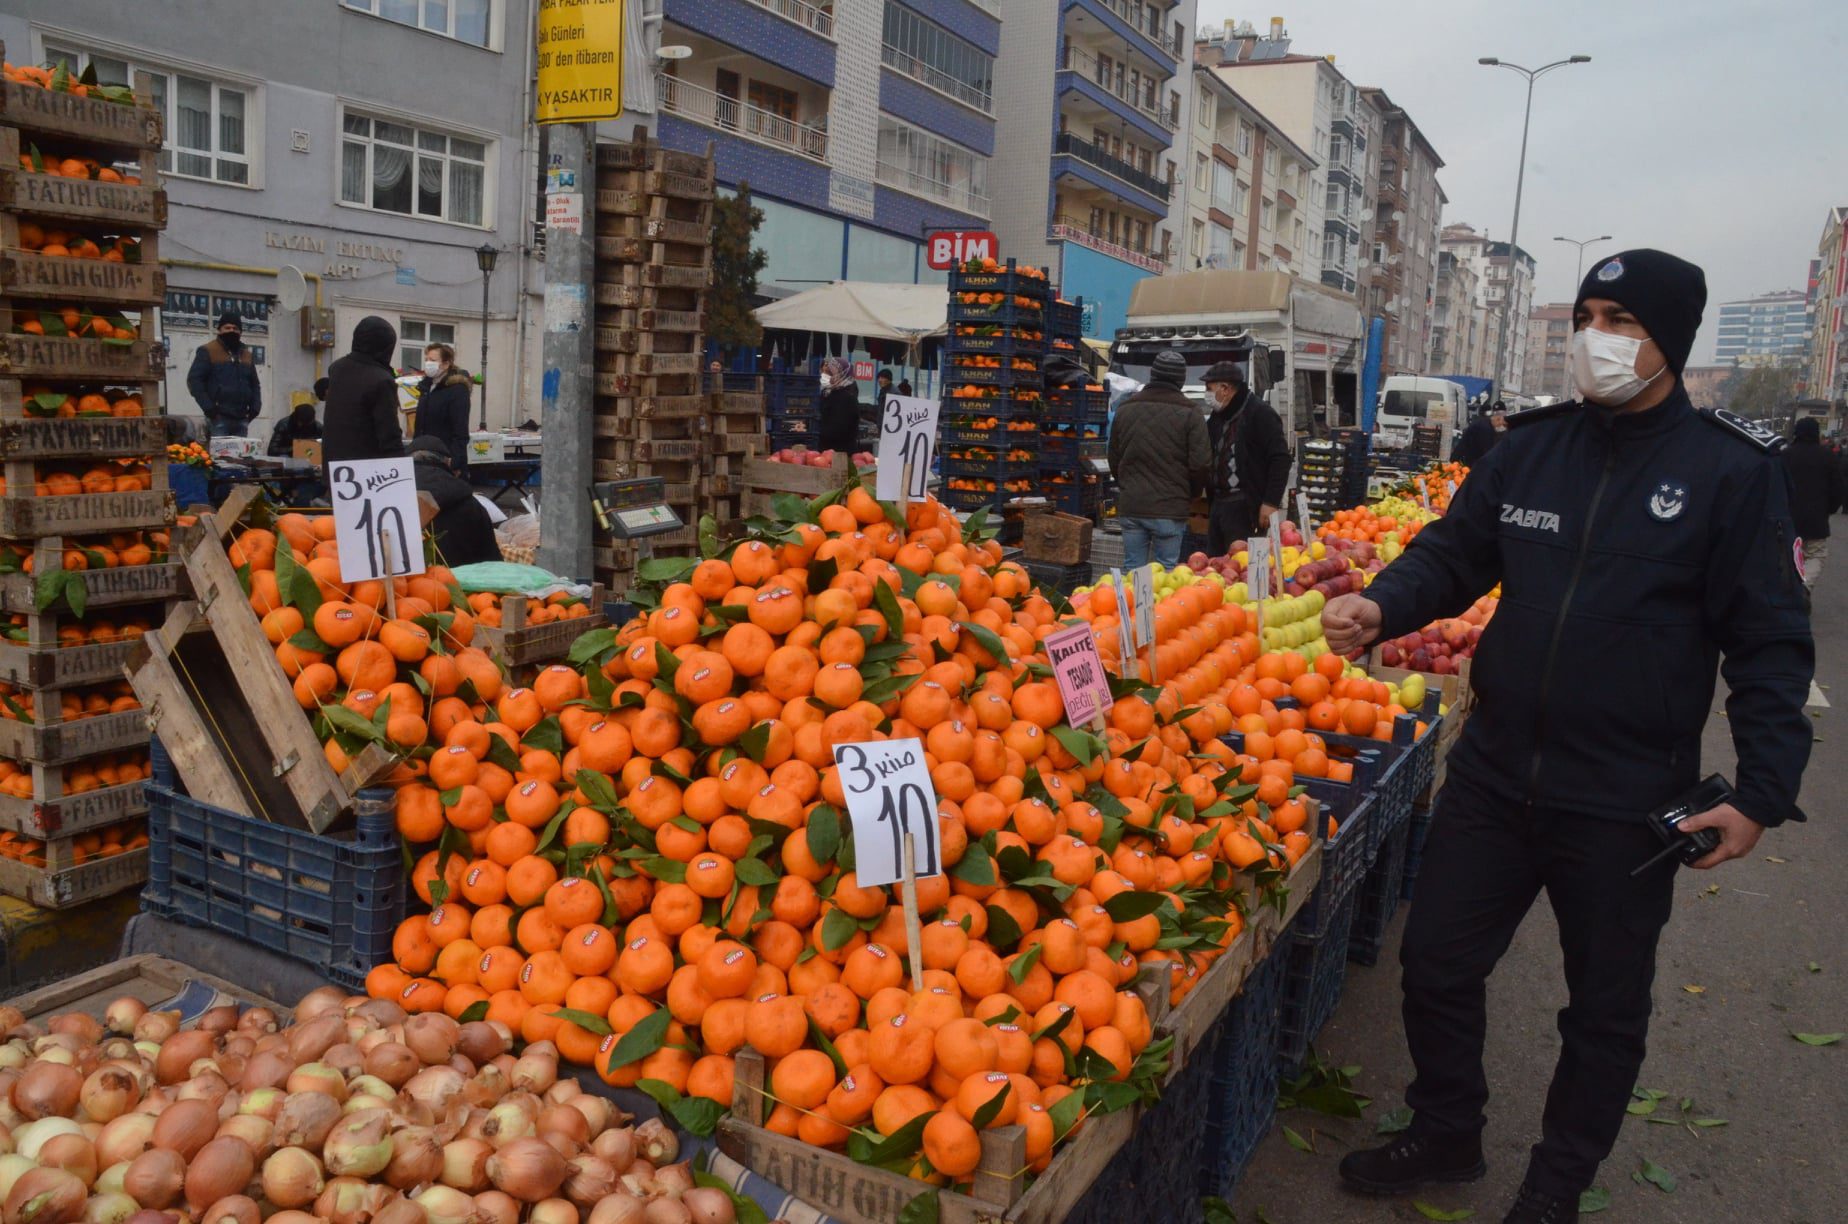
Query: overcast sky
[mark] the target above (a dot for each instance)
(1714, 131)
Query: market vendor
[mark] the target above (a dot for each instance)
(1642, 546)
(464, 534)
(1251, 459)
(839, 426)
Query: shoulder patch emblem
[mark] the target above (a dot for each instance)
(1752, 432)
(1668, 501)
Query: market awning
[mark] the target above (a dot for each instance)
(904, 313)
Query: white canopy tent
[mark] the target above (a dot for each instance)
(903, 313)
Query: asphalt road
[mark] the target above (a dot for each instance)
(1754, 953)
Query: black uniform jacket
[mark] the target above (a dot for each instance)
(1633, 551)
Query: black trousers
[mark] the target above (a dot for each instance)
(1230, 521)
(1485, 862)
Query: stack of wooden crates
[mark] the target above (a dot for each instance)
(86, 510)
(659, 414)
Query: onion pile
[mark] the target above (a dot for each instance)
(354, 1113)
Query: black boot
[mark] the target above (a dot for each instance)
(1412, 1160)
(1533, 1206)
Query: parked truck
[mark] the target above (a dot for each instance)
(1302, 344)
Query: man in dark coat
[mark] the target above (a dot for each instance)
(442, 403)
(464, 535)
(298, 426)
(1481, 435)
(223, 380)
(1159, 454)
(362, 397)
(1251, 459)
(1816, 492)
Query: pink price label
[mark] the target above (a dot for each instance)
(1079, 671)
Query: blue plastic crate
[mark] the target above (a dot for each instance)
(990, 465)
(955, 375)
(332, 902)
(1062, 578)
(1085, 498)
(1010, 278)
(971, 499)
(1065, 318)
(1315, 971)
(1244, 1092)
(1065, 405)
(995, 340)
(1153, 1178)
(1379, 898)
(1008, 313)
(1070, 449)
(1417, 830)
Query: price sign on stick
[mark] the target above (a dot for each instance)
(376, 523)
(1257, 575)
(907, 443)
(1142, 583)
(1079, 672)
(1126, 629)
(890, 799)
(1302, 515)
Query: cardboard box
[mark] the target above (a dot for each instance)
(1056, 538)
(308, 450)
(487, 448)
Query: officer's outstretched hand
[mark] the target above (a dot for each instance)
(1738, 832)
(1350, 622)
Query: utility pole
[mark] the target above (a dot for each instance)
(566, 418)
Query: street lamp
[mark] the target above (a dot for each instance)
(1577, 278)
(485, 255)
(1520, 179)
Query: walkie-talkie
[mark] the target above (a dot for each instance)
(1690, 848)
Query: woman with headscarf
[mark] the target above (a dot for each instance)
(840, 406)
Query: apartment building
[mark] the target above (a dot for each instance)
(1407, 218)
(1457, 323)
(1497, 275)
(860, 127)
(1548, 369)
(1828, 350)
(1770, 329)
(373, 144)
(1706, 385)
(1095, 106)
(1244, 188)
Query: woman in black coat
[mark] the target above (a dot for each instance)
(1816, 492)
(840, 407)
(442, 403)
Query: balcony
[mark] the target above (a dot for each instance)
(1148, 28)
(1093, 70)
(712, 109)
(976, 99)
(1116, 167)
(808, 16)
(1072, 229)
(964, 197)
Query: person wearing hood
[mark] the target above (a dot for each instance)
(442, 403)
(1643, 547)
(463, 532)
(1481, 435)
(1251, 459)
(839, 427)
(223, 380)
(1159, 454)
(362, 397)
(1816, 492)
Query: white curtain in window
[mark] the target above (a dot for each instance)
(353, 172)
(391, 186)
(230, 121)
(466, 186)
(472, 22)
(430, 186)
(193, 115)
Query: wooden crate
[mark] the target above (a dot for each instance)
(676, 425)
(653, 276)
(615, 232)
(61, 889)
(768, 476)
(136, 205)
(162, 984)
(643, 341)
(654, 320)
(687, 252)
(60, 820)
(225, 711)
(85, 513)
(27, 274)
(614, 408)
(684, 381)
(678, 298)
(123, 584)
(516, 643)
(52, 667)
(644, 154)
(56, 742)
(636, 201)
(88, 359)
(687, 451)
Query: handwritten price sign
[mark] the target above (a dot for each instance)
(890, 798)
(907, 444)
(375, 518)
(1079, 672)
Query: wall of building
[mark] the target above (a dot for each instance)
(1023, 143)
(1099, 278)
(302, 68)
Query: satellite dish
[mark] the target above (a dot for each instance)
(674, 52)
(291, 288)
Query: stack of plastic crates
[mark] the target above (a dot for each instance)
(1321, 468)
(1352, 445)
(1243, 1099)
(792, 410)
(1073, 450)
(992, 392)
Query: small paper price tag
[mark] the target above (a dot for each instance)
(1303, 518)
(1142, 585)
(1257, 567)
(1078, 670)
(889, 795)
(375, 501)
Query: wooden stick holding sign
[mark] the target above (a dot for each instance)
(893, 809)
(391, 588)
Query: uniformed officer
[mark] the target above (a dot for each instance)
(1638, 542)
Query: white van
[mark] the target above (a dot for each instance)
(1407, 401)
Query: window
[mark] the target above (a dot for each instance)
(922, 163)
(1225, 188)
(1202, 171)
(927, 52)
(1242, 197)
(1203, 108)
(208, 124)
(1267, 214)
(468, 21)
(1296, 238)
(1221, 248)
(414, 335)
(1196, 241)
(1270, 159)
(394, 167)
(1244, 139)
(1141, 242)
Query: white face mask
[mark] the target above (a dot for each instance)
(432, 368)
(1604, 367)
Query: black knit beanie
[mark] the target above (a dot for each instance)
(1666, 294)
(1169, 369)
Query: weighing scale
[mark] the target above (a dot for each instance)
(634, 509)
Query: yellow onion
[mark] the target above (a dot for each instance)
(72, 1153)
(45, 1196)
(108, 1093)
(321, 1001)
(257, 1020)
(156, 1026)
(219, 1170)
(494, 1207)
(657, 1142)
(345, 1058)
(185, 1127)
(84, 1027)
(666, 1211)
(294, 1217)
(47, 1089)
(206, 1084)
(400, 1211)
(435, 1087)
(317, 1077)
(553, 1211)
(155, 1178)
(486, 1087)
(481, 1041)
(564, 1120)
(219, 1019)
(597, 1111)
(10, 1018)
(443, 1205)
(263, 1103)
(265, 1069)
(307, 1042)
(507, 1121)
(125, 1138)
(304, 1120)
(291, 1177)
(528, 1169)
(179, 1052)
(254, 1132)
(465, 1164)
(109, 1208)
(32, 1136)
(432, 1036)
(535, 1072)
(709, 1205)
(588, 1179)
(391, 1062)
(360, 1145)
(618, 1208)
(233, 1209)
(348, 1200)
(616, 1145)
(416, 1158)
(13, 1166)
